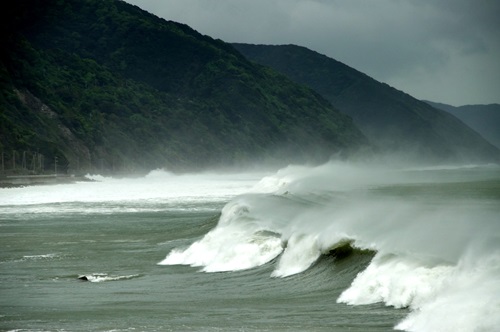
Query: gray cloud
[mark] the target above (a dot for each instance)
(442, 50)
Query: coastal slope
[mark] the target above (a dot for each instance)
(393, 120)
(485, 119)
(101, 85)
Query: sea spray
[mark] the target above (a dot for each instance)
(228, 249)
(432, 236)
(468, 297)
(157, 190)
(422, 224)
(301, 252)
(238, 242)
(397, 281)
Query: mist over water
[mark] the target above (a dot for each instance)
(425, 242)
(435, 232)
(158, 190)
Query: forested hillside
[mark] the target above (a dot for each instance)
(485, 119)
(101, 85)
(393, 120)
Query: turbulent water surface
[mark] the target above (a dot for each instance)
(339, 247)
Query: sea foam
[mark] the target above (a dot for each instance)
(237, 243)
(424, 244)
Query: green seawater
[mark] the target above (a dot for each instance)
(42, 255)
(115, 232)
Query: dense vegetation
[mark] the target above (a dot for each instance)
(391, 119)
(101, 84)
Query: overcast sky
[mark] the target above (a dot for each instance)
(440, 50)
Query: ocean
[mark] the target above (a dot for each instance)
(336, 247)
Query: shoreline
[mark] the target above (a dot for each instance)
(19, 181)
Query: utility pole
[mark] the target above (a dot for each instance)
(33, 162)
(23, 162)
(55, 165)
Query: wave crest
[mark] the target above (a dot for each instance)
(397, 281)
(419, 238)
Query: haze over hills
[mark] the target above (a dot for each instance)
(485, 119)
(103, 85)
(393, 120)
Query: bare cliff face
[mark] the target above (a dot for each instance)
(50, 128)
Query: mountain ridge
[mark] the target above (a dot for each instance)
(392, 119)
(485, 119)
(102, 85)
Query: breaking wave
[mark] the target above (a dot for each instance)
(159, 190)
(435, 234)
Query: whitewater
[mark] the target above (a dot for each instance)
(340, 246)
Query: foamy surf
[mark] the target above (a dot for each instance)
(421, 242)
(468, 296)
(231, 246)
(397, 281)
(301, 252)
(159, 190)
(38, 257)
(102, 277)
